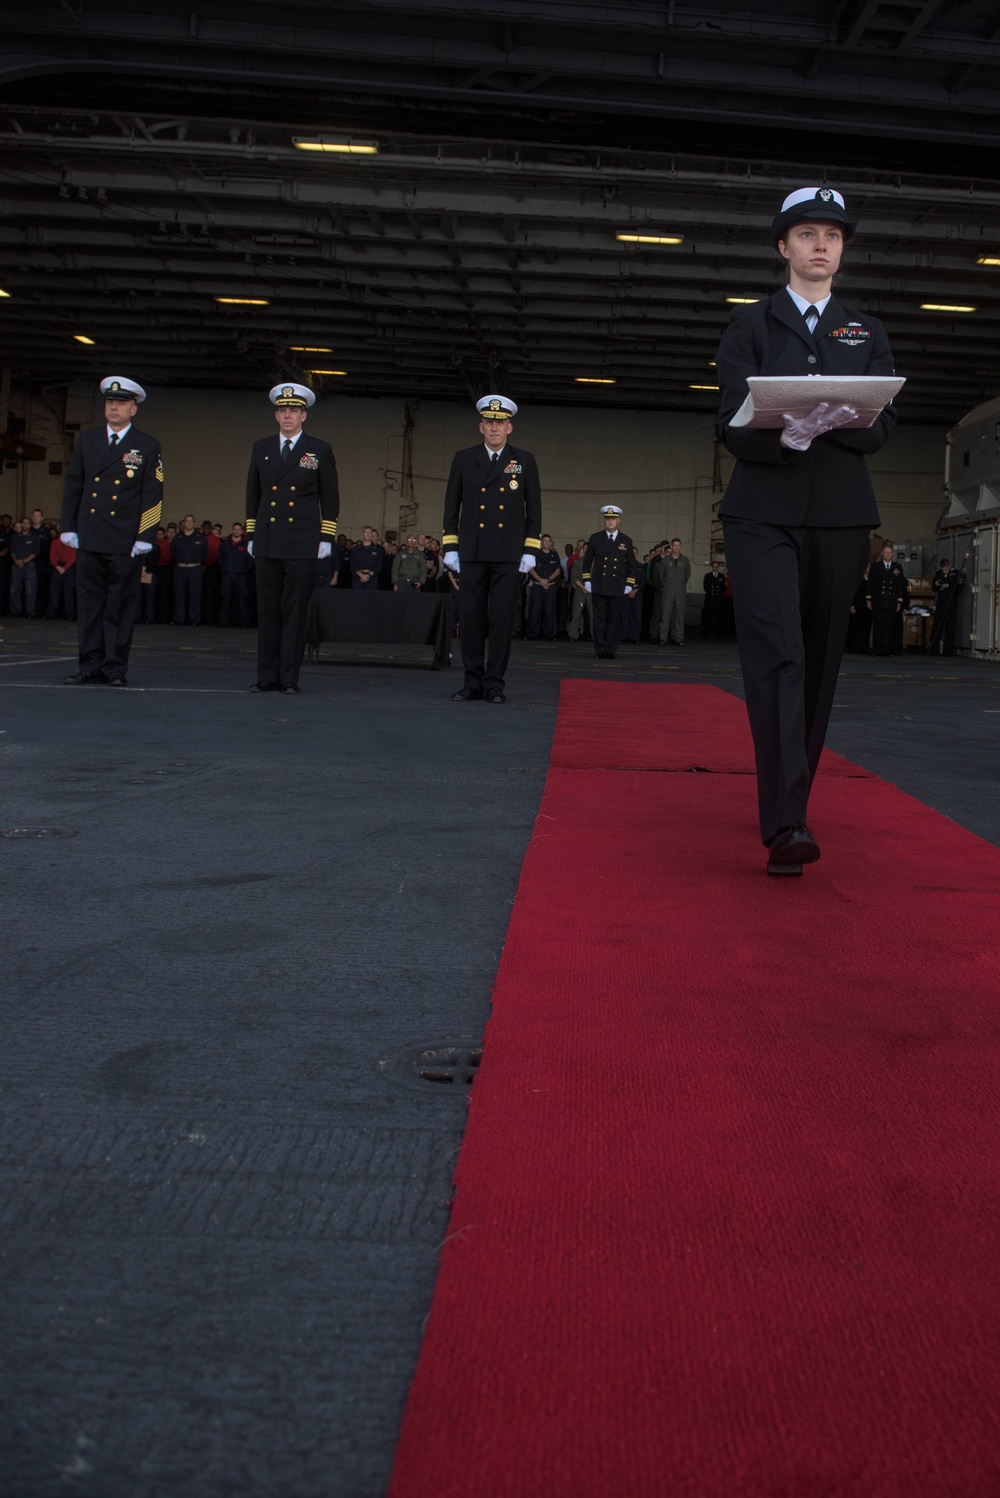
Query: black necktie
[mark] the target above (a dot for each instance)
(495, 459)
(113, 441)
(812, 318)
(286, 447)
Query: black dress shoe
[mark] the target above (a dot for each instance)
(495, 695)
(467, 694)
(289, 689)
(264, 686)
(83, 679)
(790, 848)
(117, 679)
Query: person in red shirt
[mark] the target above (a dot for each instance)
(210, 575)
(62, 586)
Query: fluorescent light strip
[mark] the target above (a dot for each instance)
(650, 238)
(243, 301)
(308, 348)
(944, 307)
(742, 301)
(82, 338)
(703, 387)
(328, 371)
(337, 147)
(988, 260)
(592, 380)
(4, 293)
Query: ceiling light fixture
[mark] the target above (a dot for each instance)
(742, 301)
(243, 301)
(336, 147)
(650, 238)
(82, 338)
(308, 348)
(988, 260)
(703, 387)
(4, 293)
(328, 371)
(592, 380)
(944, 307)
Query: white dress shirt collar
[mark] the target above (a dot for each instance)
(490, 453)
(120, 435)
(290, 440)
(613, 535)
(804, 306)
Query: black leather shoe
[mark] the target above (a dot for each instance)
(467, 694)
(264, 686)
(495, 695)
(117, 679)
(790, 848)
(83, 679)
(289, 689)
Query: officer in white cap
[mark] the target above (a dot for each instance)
(293, 500)
(609, 571)
(798, 510)
(492, 533)
(112, 504)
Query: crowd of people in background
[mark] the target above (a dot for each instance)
(197, 575)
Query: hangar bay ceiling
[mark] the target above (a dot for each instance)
(156, 162)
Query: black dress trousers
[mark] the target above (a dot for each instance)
(107, 607)
(607, 616)
(487, 601)
(792, 589)
(284, 588)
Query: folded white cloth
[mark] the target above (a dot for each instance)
(587, 587)
(324, 550)
(140, 548)
(800, 430)
(451, 561)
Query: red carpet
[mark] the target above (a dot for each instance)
(726, 1213)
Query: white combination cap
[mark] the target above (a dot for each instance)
(291, 395)
(496, 408)
(611, 510)
(126, 389)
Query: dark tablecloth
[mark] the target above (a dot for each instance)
(357, 616)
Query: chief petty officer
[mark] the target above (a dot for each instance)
(609, 568)
(492, 521)
(544, 581)
(797, 511)
(293, 501)
(112, 503)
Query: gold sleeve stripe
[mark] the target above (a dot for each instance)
(250, 525)
(328, 527)
(151, 516)
(532, 544)
(449, 540)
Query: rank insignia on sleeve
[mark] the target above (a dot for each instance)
(854, 335)
(159, 471)
(309, 460)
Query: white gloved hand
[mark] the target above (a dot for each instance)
(527, 562)
(800, 431)
(250, 548)
(70, 538)
(140, 548)
(629, 592)
(586, 587)
(451, 561)
(324, 550)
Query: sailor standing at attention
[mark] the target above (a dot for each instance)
(609, 568)
(112, 502)
(293, 501)
(492, 526)
(797, 511)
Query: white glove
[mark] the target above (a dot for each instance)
(451, 561)
(628, 592)
(527, 562)
(801, 430)
(140, 548)
(324, 550)
(586, 587)
(70, 538)
(250, 548)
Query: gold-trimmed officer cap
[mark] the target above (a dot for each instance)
(824, 205)
(118, 387)
(496, 408)
(611, 510)
(290, 394)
